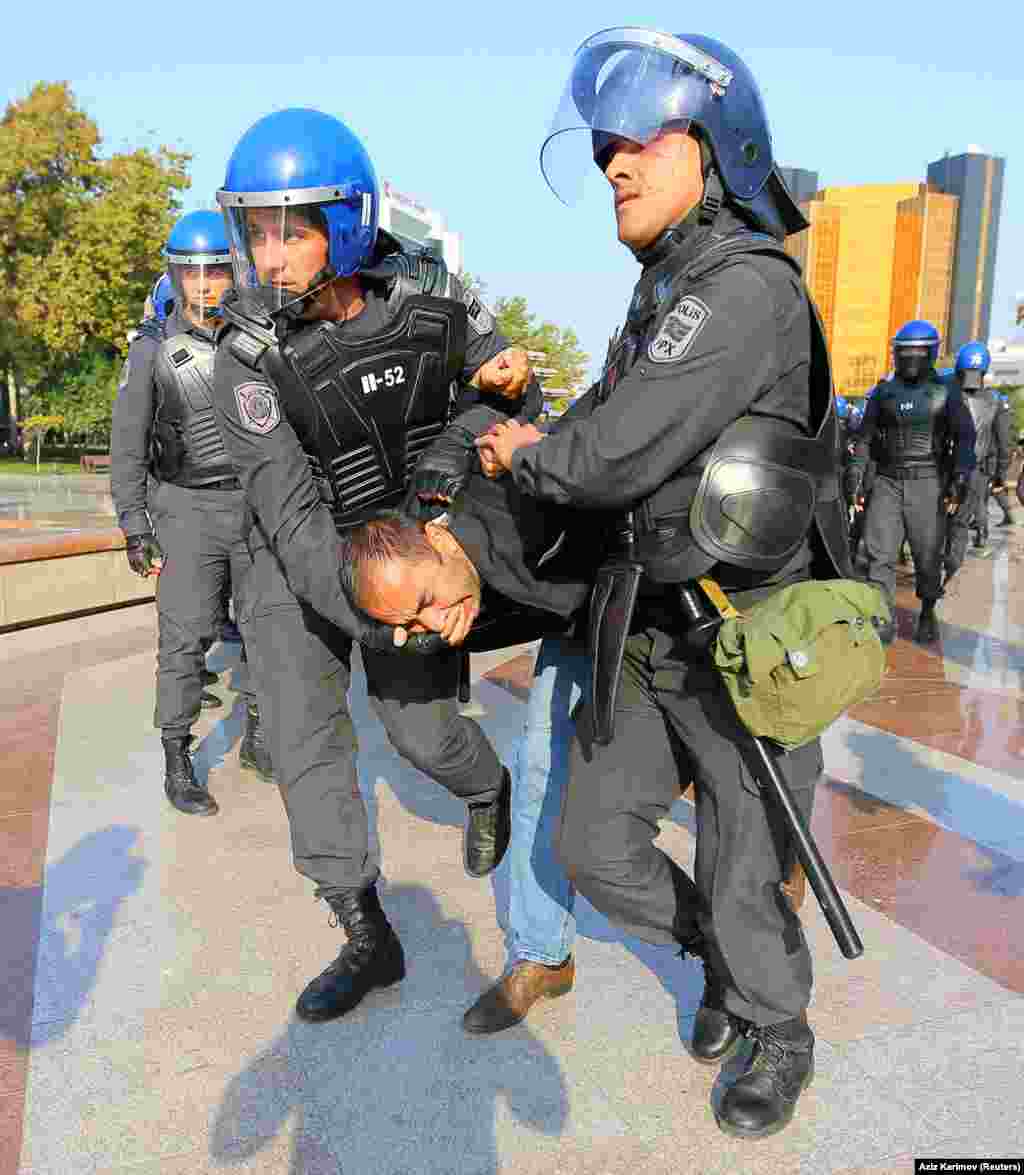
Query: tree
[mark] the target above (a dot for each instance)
(559, 344)
(80, 245)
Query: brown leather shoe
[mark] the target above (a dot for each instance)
(508, 1001)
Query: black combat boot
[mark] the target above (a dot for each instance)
(371, 958)
(488, 831)
(184, 791)
(780, 1068)
(927, 625)
(253, 752)
(716, 1032)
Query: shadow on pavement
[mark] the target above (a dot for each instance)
(75, 909)
(396, 1085)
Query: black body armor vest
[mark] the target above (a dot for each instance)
(364, 409)
(761, 489)
(187, 446)
(984, 408)
(912, 424)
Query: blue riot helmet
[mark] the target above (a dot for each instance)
(972, 364)
(302, 204)
(842, 407)
(915, 348)
(161, 297)
(199, 265)
(631, 83)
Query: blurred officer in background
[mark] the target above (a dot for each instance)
(926, 455)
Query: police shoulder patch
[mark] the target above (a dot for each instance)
(258, 408)
(479, 317)
(678, 330)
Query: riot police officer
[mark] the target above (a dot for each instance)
(926, 454)
(334, 373)
(178, 498)
(972, 362)
(712, 443)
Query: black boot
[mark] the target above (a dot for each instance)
(180, 784)
(927, 625)
(488, 831)
(716, 1032)
(253, 752)
(780, 1068)
(371, 958)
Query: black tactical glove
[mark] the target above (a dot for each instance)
(381, 639)
(143, 551)
(441, 473)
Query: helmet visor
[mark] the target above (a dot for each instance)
(626, 83)
(199, 282)
(281, 243)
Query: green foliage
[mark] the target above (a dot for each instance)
(1016, 396)
(80, 246)
(559, 344)
(87, 395)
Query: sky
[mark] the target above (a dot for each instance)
(453, 101)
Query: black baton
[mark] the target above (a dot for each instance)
(703, 628)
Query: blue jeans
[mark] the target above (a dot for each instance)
(541, 923)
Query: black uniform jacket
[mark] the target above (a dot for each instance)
(280, 491)
(733, 340)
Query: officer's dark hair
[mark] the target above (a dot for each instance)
(382, 537)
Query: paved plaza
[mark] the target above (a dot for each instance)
(149, 961)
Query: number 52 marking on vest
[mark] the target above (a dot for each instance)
(389, 378)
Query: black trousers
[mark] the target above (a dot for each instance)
(201, 533)
(301, 664)
(911, 508)
(675, 723)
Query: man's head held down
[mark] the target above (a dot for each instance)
(413, 575)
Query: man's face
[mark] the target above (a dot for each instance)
(424, 594)
(288, 250)
(204, 286)
(654, 186)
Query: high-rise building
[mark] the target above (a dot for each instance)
(848, 264)
(413, 223)
(976, 178)
(802, 184)
(817, 250)
(922, 260)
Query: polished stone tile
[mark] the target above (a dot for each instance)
(961, 897)
(13, 1065)
(23, 848)
(515, 675)
(10, 1132)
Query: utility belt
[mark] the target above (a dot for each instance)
(220, 483)
(908, 472)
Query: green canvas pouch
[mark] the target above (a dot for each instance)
(796, 660)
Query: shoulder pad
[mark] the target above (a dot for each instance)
(150, 328)
(737, 245)
(406, 273)
(254, 330)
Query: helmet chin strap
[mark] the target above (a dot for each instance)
(295, 308)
